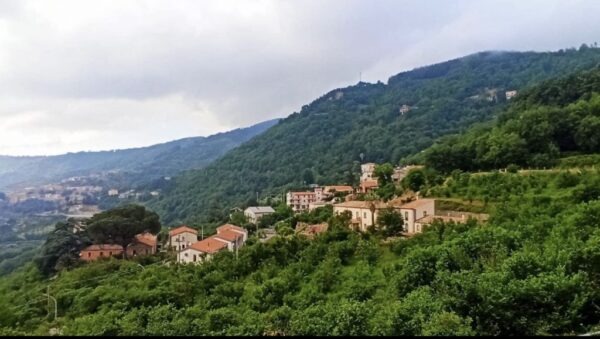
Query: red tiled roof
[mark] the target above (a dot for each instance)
(209, 245)
(418, 203)
(231, 227)
(369, 184)
(147, 239)
(364, 204)
(182, 229)
(228, 235)
(103, 247)
(339, 188)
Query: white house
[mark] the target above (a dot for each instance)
(367, 171)
(254, 213)
(182, 237)
(228, 237)
(362, 216)
(415, 210)
(202, 250)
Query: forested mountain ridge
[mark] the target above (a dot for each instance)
(560, 116)
(329, 137)
(146, 162)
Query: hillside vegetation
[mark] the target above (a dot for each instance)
(559, 117)
(532, 270)
(328, 138)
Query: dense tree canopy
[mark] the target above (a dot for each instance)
(534, 132)
(121, 224)
(328, 136)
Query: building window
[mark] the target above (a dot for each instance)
(365, 215)
(110, 253)
(405, 215)
(146, 251)
(133, 252)
(89, 254)
(194, 257)
(424, 213)
(101, 253)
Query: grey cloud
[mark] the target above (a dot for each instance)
(84, 65)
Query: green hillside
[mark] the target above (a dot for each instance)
(326, 139)
(531, 270)
(139, 164)
(559, 117)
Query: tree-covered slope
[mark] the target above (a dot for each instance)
(531, 270)
(327, 137)
(560, 116)
(147, 162)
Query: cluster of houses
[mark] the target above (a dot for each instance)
(321, 196)
(144, 244)
(416, 214)
(184, 240)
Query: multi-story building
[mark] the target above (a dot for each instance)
(254, 213)
(367, 171)
(182, 237)
(415, 210)
(364, 213)
(228, 237)
(300, 201)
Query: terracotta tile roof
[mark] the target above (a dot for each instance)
(182, 229)
(369, 184)
(209, 245)
(418, 203)
(231, 227)
(228, 235)
(360, 204)
(147, 239)
(103, 247)
(340, 188)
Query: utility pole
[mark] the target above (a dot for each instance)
(202, 234)
(178, 241)
(55, 304)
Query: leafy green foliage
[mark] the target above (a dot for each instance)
(329, 135)
(532, 270)
(121, 224)
(533, 132)
(61, 249)
(391, 221)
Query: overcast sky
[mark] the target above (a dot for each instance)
(95, 75)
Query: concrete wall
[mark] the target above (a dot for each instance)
(187, 238)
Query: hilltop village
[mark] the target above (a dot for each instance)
(362, 205)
